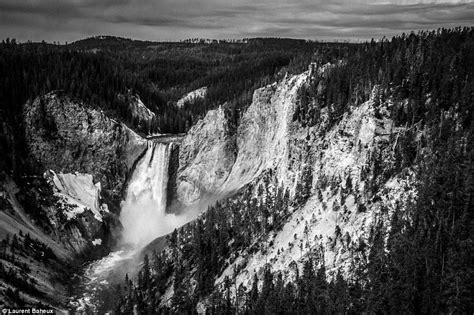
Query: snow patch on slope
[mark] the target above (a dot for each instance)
(77, 193)
(192, 96)
(97, 241)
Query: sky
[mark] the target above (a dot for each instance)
(355, 20)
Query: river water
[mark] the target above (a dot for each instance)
(144, 218)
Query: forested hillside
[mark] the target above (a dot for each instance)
(106, 72)
(97, 71)
(420, 262)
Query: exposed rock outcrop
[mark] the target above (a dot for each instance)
(82, 221)
(192, 96)
(68, 137)
(206, 157)
(87, 157)
(347, 199)
(216, 161)
(347, 195)
(140, 113)
(264, 131)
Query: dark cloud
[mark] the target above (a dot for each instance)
(67, 20)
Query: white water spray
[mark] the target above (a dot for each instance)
(143, 217)
(143, 214)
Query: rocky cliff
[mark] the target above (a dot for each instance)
(343, 169)
(68, 137)
(214, 160)
(347, 199)
(88, 157)
(68, 210)
(206, 157)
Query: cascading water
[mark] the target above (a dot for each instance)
(143, 217)
(143, 214)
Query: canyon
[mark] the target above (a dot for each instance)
(94, 163)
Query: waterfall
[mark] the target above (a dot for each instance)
(143, 218)
(143, 214)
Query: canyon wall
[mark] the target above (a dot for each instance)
(354, 186)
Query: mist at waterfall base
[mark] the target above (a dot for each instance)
(143, 215)
(144, 218)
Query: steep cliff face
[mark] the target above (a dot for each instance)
(263, 134)
(344, 170)
(347, 201)
(215, 161)
(60, 215)
(67, 137)
(87, 158)
(82, 220)
(140, 113)
(46, 245)
(206, 157)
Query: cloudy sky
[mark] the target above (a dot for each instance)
(68, 20)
